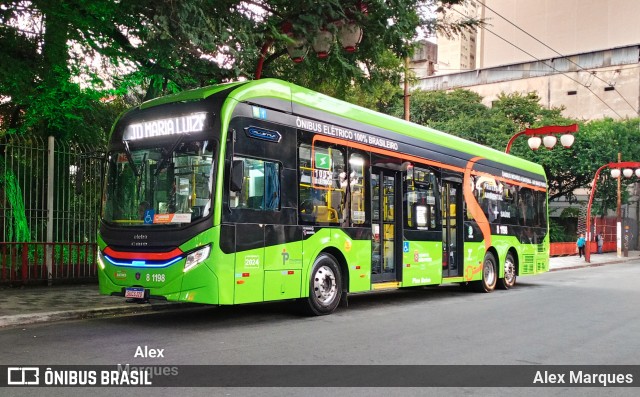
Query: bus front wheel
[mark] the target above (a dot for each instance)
(325, 286)
(489, 274)
(509, 279)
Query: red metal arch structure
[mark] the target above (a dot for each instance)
(620, 166)
(542, 131)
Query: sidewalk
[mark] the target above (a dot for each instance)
(573, 262)
(40, 304)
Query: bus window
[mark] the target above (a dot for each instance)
(489, 193)
(541, 209)
(322, 199)
(526, 207)
(261, 186)
(150, 185)
(421, 200)
(508, 206)
(357, 186)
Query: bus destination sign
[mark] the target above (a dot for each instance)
(345, 133)
(193, 122)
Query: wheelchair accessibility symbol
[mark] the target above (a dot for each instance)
(148, 217)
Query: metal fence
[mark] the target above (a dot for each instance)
(50, 193)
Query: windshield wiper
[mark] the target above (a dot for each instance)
(164, 161)
(132, 164)
(144, 158)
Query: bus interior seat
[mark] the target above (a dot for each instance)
(325, 214)
(337, 200)
(255, 202)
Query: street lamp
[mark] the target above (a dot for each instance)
(548, 140)
(349, 35)
(627, 167)
(321, 43)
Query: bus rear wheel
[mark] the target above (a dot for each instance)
(489, 274)
(509, 279)
(325, 286)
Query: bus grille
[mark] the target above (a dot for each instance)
(541, 267)
(528, 264)
(541, 248)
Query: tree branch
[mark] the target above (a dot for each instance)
(264, 7)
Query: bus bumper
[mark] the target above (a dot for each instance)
(198, 285)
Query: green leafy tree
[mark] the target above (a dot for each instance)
(606, 138)
(37, 87)
(461, 113)
(165, 46)
(70, 66)
(441, 106)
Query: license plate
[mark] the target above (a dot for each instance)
(134, 292)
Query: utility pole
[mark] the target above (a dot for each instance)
(619, 216)
(406, 88)
(618, 211)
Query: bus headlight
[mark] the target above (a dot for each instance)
(100, 260)
(197, 257)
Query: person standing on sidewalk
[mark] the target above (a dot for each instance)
(600, 242)
(580, 243)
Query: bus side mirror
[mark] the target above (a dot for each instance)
(237, 175)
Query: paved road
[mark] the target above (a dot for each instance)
(573, 317)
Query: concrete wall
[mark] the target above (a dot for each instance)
(567, 26)
(578, 82)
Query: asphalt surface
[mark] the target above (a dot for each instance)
(573, 317)
(41, 304)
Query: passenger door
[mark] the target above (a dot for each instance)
(452, 238)
(386, 204)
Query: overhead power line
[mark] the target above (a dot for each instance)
(558, 53)
(549, 65)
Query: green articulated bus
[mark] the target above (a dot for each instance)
(263, 191)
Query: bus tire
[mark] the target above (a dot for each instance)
(325, 286)
(509, 279)
(489, 274)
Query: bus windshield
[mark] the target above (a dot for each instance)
(151, 186)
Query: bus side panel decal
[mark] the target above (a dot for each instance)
(474, 206)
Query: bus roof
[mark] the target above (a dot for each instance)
(274, 88)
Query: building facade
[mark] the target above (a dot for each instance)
(589, 86)
(581, 55)
(517, 31)
(458, 53)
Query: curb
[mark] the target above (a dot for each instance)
(132, 308)
(54, 316)
(588, 265)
